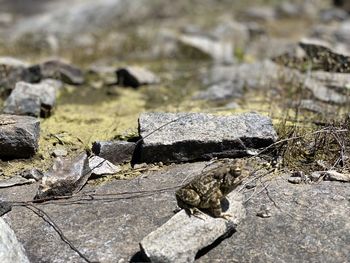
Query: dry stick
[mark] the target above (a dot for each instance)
(39, 212)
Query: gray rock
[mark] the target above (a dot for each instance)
(31, 99)
(221, 51)
(15, 180)
(11, 71)
(135, 77)
(32, 174)
(190, 136)
(66, 177)
(297, 231)
(261, 13)
(326, 87)
(179, 239)
(287, 9)
(334, 14)
(342, 4)
(10, 249)
(83, 17)
(57, 69)
(60, 152)
(336, 176)
(310, 223)
(311, 105)
(222, 91)
(100, 166)
(341, 33)
(19, 136)
(264, 211)
(114, 151)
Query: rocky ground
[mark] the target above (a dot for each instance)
(109, 107)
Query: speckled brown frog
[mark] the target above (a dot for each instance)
(207, 190)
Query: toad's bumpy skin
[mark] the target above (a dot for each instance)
(208, 189)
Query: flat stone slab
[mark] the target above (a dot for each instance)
(179, 137)
(310, 224)
(19, 136)
(179, 239)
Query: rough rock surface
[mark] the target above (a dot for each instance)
(114, 151)
(15, 180)
(179, 239)
(222, 91)
(57, 69)
(310, 223)
(10, 249)
(100, 166)
(31, 99)
(193, 136)
(136, 76)
(219, 50)
(66, 177)
(19, 136)
(11, 71)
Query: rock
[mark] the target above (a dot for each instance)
(10, 249)
(326, 87)
(32, 174)
(192, 136)
(60, 152)
(315, 176)
(323, 57)
(100, 166)
(66, 177)
(31, 99)
(6, 19)
(57, 69)
(180, 238)
(295, 180)
(264, 212)
(84, 17)
(300, 210)
(221, 51)
(5, 207)
(311, 105)
(341, 33)
(288, 10)
(114, 151)
(334, 14)
(260, 13)
(237, 33)
(135, 77)
(335, 176)
(19, 136)
(120, 213)
(11, 71)
(222, 91)
(342, 4)
(104, 73)
(15, 180)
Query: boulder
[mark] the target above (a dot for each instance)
(100, 166)
(19, 136)
(179, 137)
